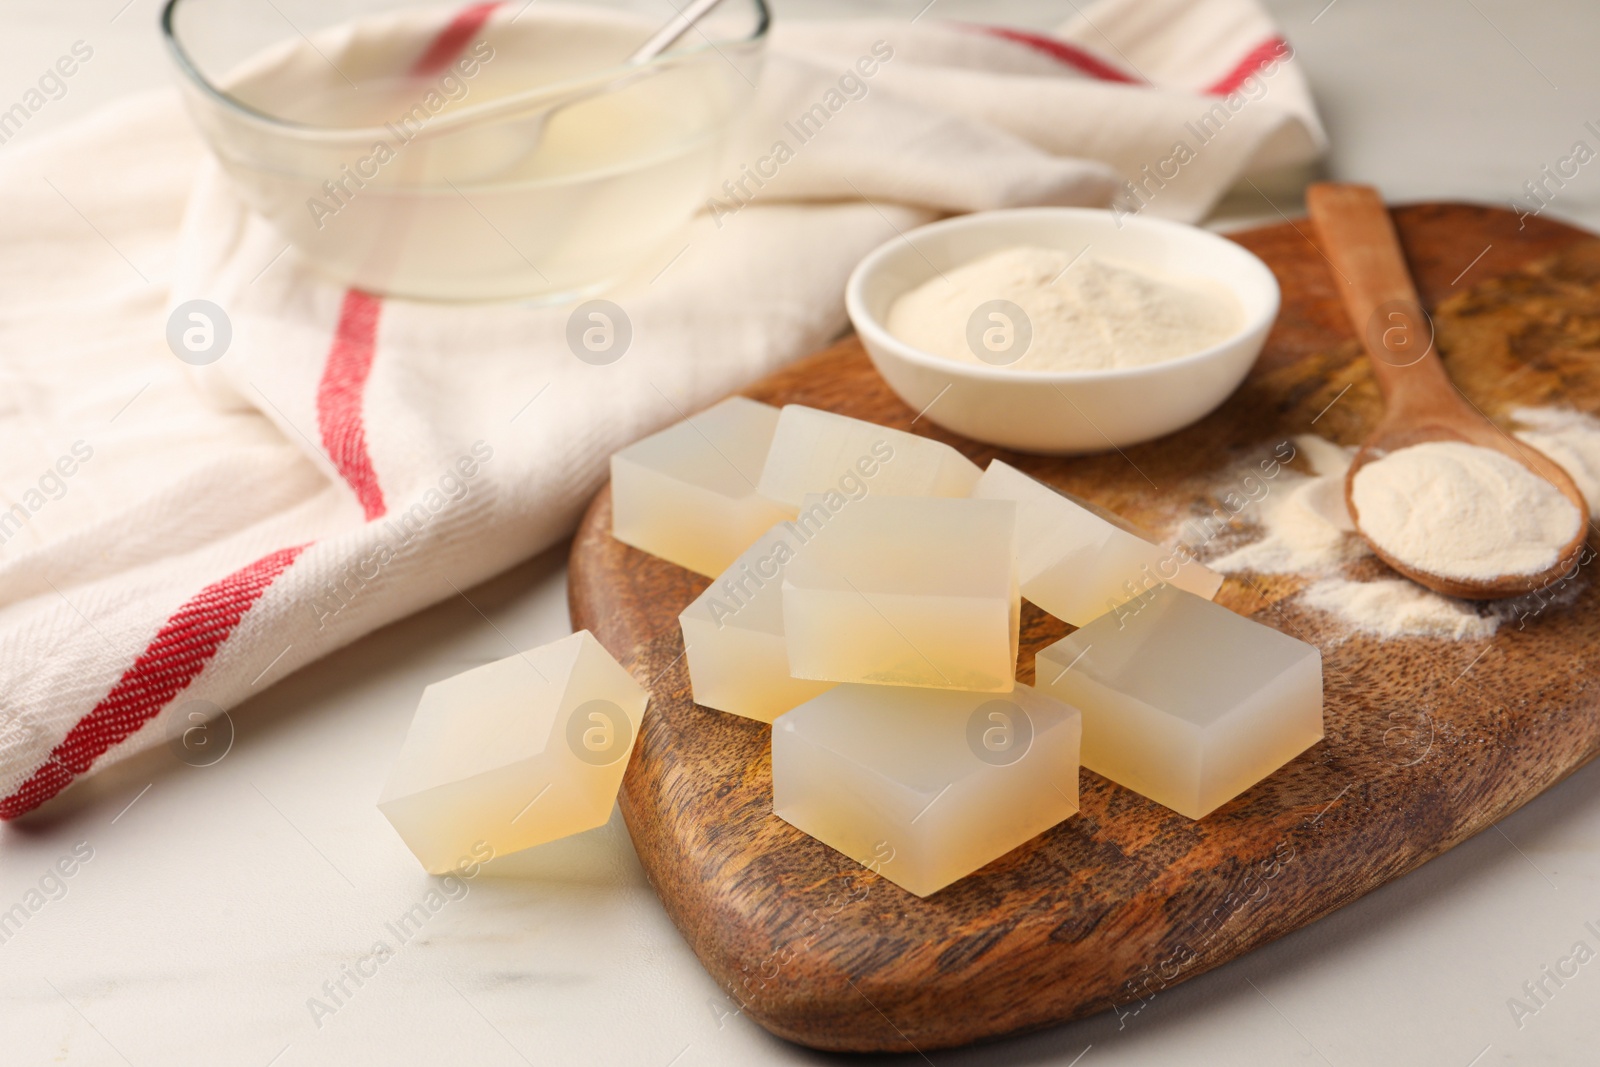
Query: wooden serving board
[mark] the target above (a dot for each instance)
(1428, 740)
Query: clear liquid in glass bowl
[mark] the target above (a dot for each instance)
(520, 159)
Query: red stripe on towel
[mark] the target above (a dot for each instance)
(1086, 62)
(341, 393)
(191, 637)
(177, 654)
(1081, 60)
(453, 38)
(1254, 60)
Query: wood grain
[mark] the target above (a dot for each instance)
(1428, 741)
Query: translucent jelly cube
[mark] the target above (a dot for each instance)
(1185, 701)
(688, 494)
(1077, 562)
(818, 452)
(925, 786)
(904, 591)
(515, 753)
(733, 635)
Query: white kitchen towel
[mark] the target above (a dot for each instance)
(175, 539)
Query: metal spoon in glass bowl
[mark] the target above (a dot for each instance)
(534, 109)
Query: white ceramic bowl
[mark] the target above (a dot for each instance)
(1062, 412)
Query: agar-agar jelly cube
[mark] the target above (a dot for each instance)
(925, 786)
(911, 591)
(817, 451)
(1077, 562)
(688, 494)
(733, 635)
(1184, 701)
(515, 753)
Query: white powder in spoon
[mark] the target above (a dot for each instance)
(1298, 525)
(1081, 313)
(1463, 512)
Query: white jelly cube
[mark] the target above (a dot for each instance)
(915, 591)
(1078, 562)
(688, 494)
(1185, 701)
(733, 635)
(819, 452)
(925, 786)
(515, 753)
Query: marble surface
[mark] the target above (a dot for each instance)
(212, 912)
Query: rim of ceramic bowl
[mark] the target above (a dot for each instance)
(190, 70)
(868, 324)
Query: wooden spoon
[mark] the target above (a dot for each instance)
(1421, 403)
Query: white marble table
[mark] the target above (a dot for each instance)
(218, 901)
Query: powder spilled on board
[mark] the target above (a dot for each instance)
(1304, 528)
(1572, 439)
(1305, 524)
(1398, 607)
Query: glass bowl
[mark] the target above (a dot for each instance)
(490, 151)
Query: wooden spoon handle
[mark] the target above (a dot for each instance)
(1359, 240)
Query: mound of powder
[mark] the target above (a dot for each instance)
(1083, 313)
(1304, 522)
(1572, 439)
(1464, 512)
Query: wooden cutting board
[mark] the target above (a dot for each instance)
(1428, 741)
